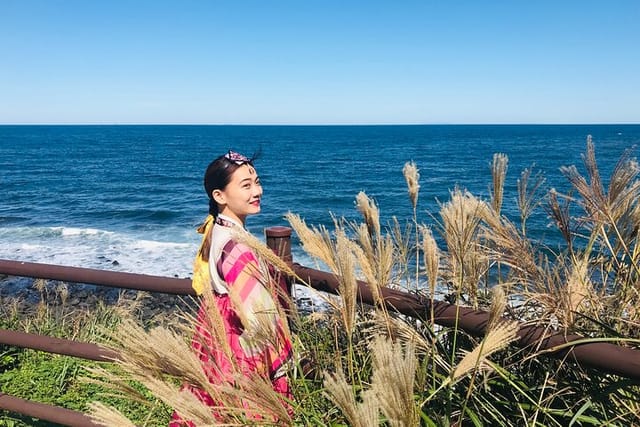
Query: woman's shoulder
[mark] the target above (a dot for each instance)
(234, 246)
(224, 244)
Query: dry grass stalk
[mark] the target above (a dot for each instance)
(496, 339)
(338, 256)
(514, 250)
(498, 304)
(40, 285)
(528, 199)
(560, 214)
(397, 329)
(593, 193)
(370, 213)
(498, 173)
(347, 284)
(461, 217)
(385, 261)
(188, 405)
(146, 356)
(575, 293)
(412, 176)
(620, 202)
(341, 393)
(365, 242)
(157, 351)
(261, 403)
(118, 385)
(146, 371)
(315, 241)
(107, 416)
(394, 372)
(264, 252)
(402, 244)
(376, 252)
(375, 258)
(214, 323)
(431, 255)
(62, 290)
(614, 220)
(369, 272)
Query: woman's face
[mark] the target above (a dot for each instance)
(241, 197)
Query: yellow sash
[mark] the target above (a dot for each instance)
(201, 275)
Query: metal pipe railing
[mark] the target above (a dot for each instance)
(42, 411)
(83, 350)
(113, 279)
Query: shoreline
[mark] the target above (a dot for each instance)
(28, 293)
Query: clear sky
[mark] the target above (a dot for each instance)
(319, 62)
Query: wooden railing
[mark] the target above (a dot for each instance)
(607, 357)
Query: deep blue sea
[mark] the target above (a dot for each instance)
(91, 195)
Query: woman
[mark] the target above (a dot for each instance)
(240, 327)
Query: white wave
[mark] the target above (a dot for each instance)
(70, 231)
(93, 248)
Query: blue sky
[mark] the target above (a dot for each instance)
(319, 62)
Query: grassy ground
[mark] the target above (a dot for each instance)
(61, 380)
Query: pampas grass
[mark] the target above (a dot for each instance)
(374, 251)
(431, 260)
(461, 219)
(499, 173)
(371, 214)
(347, 285)
(497, 308)
(394, 372)
(316, 241)
(496, 339)
(106, 416)
(528, 195)
(412, 176)
(148, 357)
(340, 392)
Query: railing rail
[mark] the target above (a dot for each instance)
(607, 357)
(46, 412)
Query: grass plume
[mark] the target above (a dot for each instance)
(412, 176)
(394, 372)
(499, 174)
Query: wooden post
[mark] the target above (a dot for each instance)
(279, 241)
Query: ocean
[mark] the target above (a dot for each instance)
(129, 198)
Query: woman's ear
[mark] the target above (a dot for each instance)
(218, 196)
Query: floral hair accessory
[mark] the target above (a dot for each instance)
(237, 158)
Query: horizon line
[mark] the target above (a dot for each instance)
(330, 124)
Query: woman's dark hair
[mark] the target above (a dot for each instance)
(218, 175)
